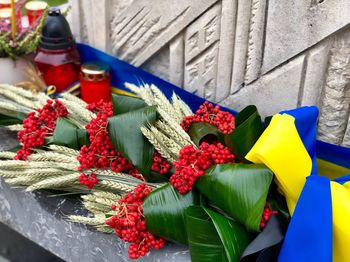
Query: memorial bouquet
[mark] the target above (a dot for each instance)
(160, 164)
(154, 169)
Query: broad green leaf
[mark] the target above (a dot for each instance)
(164, 210)
(123, 104)
(127, 138)
(65, 134)
(9, 120)
(198, 131)
(247, 132)
(233, 236)
(244, 114)
(68, 134)
(83, 137)
(157, 178)
(240, 190)
(212, 237)
(203, 240)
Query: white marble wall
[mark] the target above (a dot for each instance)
(277, 54)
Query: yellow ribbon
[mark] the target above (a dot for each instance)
(281, 149)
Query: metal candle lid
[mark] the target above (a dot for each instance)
(36, 5)
(95, 71)
(5, 13)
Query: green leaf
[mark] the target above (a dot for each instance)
(127, 138)
(198, 131)
(65, 133)
(248, 129)
(83, 137)
(244, 114)
(233, 236)
(123, 104)
(203, 240)
(164, 210)
(68, 134)
(240, 190)
(212, 237)
(9, 120)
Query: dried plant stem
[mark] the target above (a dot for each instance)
(7, 155)
(64, 150)
(96, 207)
(91, 221)
(114, 186)
(162, 150)
(16, 128)
(170, 132)
(169, 143)
(55, 182)
(105, 229)
(74, 99)
(53, 156)
(78, 110)
(17, 98)
(19, 91)
(107, 195)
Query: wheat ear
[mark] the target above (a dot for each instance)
(53, 156)
(74, 99)
(19, 91)
(79, 110)
(163, 151)
(170, 132)
(7, 155)
(55, 182)
(17, 98)
(114, 186)
(91, 221)
(169, 143)
(64, 150)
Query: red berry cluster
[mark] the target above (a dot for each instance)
(88, 180)
(267, 213)
(207, 113)
(130, 223)
(193, 162)
(101, 152)
(39, 125)
(160, 165)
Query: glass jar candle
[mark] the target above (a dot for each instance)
(95, 82)
(35, 9)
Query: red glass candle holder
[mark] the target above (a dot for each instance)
(95, 82)
(35, 9)
(6, 3)
(58, 67)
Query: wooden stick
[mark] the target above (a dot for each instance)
(13, 20)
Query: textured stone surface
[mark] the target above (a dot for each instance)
(236, 51)
(42, 219)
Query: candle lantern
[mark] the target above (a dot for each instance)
(95, 82)
(57, 57)
(35, 9)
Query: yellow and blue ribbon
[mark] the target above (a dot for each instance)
(319, 229)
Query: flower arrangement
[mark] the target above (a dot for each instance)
(13, 44)
(148, 168)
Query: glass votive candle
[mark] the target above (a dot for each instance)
(5, 16)
(35, 9)
(6, 3)
(95, 82)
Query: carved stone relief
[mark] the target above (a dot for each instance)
(277, 54)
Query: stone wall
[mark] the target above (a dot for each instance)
(277, 54)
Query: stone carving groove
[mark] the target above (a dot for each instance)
(255, 42)
(275, 53)
(335, 108)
